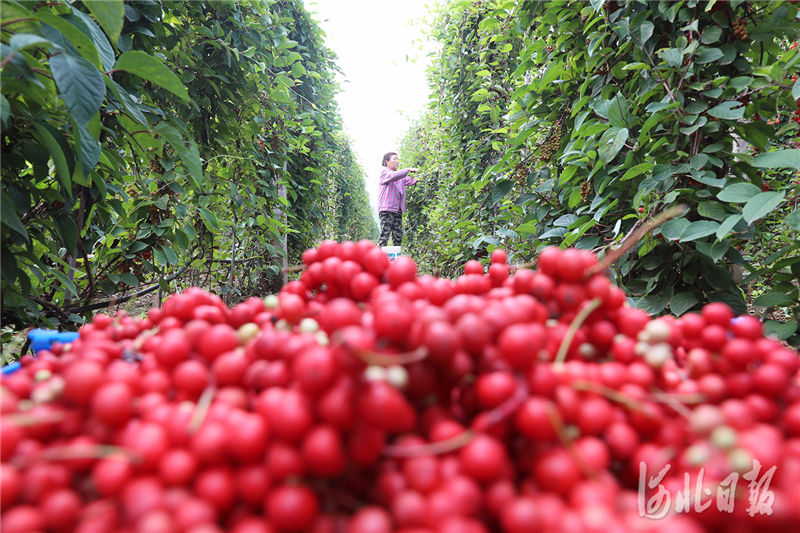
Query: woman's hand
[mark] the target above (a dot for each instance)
(414, 169)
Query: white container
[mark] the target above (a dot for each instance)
(392, 251)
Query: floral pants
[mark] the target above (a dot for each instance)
(391, 223)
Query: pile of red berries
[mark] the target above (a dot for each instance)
(366, 398)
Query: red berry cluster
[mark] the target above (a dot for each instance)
(740, 30)
(365, 398)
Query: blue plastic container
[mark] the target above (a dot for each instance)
(41, 339)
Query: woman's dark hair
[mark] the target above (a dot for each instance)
(387, 156)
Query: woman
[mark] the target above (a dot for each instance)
(392, 199)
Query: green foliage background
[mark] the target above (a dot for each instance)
(570, 122)
(141, 137)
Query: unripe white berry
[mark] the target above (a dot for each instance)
(375, 373)
(42, 375)
(247, 332)
(587, 350)
(724, 437)
(741, 460)
(659, 330)
(658, 354)
(397, 376)
(308, 325)
(322, 338)
(697, 454)
(271, 301)
(283, 325)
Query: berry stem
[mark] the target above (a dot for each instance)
(201, 409)
(65, 453)
(382, 359)
(433, 448)
(296, 268)
(580, 318)
(628, 242)
(25, 419)
(569, 444)
(673, 402)
(608, 392)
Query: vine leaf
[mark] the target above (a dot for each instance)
(761, 205)
(153, 70)
(501, 189)
(81, 85)
(793, 220)
(773, 328)
(90, 150)
(47, 135)
(682, 302)
(738, 193)
(730, 110)
(779, 159)
(110, 14)
(611, 143)
(698, 230)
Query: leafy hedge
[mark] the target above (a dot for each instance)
(571, 122)
(142, 137)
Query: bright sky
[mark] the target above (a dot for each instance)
(383, 53)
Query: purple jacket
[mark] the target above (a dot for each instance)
(392, 190)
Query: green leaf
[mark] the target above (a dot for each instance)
(81, 85)
(47, 136)
(709, 55)
(711, 35)
(9, 217)
(127, 101)
(796, 90)
(738, 193)
(699, 229)
(781, 331)
(730, 110)
(793, 220)
(712, 210)
(641, 168)
(726, 227)
(779, 159)
(85, 23)
(5, 111)
(611, 143)
(682, 302)
(653, 305)
(719, 249)
(90, 150)
(153, 70)
(24, 40)
(672, 56)
(169, 253)
(209, 218)
(646, 31)
(501, 188)
(761, 205)
(190, 156)
(67, 230)
(69, 38)
(618, 113)
(129, 279)
(672, 229)
(298, 70)
(734, 301)
(110, 14)
(773, 299)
